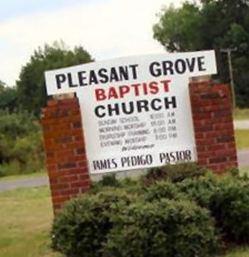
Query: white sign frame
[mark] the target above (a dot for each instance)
(116, 140)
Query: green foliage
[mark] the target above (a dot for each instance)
(201, 190)
(174, 173)
(82, 227)
(31, 88)
(230, 207)
(180, 215)
(8, 98)
(176, 29)
(162, 189)
(21, 149)
(109, 180)
(228, 201)
(162, 229)
(213, 24)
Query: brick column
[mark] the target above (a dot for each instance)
(213, 125)
(65, 151)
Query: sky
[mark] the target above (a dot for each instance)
(105, 28)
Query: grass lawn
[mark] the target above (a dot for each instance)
(244, 170)
(240, 252)
(242, 138)
(26, 216)
(241, 114)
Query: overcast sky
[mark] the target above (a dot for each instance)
(105, 28)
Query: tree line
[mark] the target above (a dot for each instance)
(222, 25)
(207, 24)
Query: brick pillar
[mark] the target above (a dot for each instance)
(65, 151)
(213, 125)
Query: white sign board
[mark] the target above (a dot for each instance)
(136, 111)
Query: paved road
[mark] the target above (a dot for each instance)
(243, 158)
(241, 124)
(20, 183)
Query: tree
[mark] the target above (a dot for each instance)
(176, 29)
(8, 97)
(31, 89)
(2, 85)
(211, 24)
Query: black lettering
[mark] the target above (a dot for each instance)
(81, 78)
(123, 73)
(113, 75)
(156, 72)
(201, 63)
(60, 78)
(104, 164)
(70, 80)
(98, 113)
(172, 156)
(180, 66)
(168, 67)
(153, 104)
(143, 104)
(191, 64)
(113, 109)
(103, 75)
(168, 102)
(92, 78)
(134, 70)
(130, 109)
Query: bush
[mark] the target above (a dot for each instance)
(21, 149)
(164, 228)
(110, 181)
(80, 229)
(201, 189)
(162, 189)
(230, 207)
(123, 219)
(227, 199)
(174, 173)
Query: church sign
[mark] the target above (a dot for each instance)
(135, 111)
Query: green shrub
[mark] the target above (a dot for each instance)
(21, 148)
(230, 207)
(164, 228)
(80, 229)
(107, 181)
(202, 189)
(174, 173)
(110, 181)
(162, 189)
(227, 198)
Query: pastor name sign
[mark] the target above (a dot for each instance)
(136, 110)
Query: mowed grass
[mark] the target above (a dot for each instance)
(241, 114)
(242, 138)
(26, 217)
(239, 252)
(25, 222)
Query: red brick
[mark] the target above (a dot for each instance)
(66, 165)
(213, 125)
(60, 199)
(80, 184)
(60, 186)
(205, 141)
